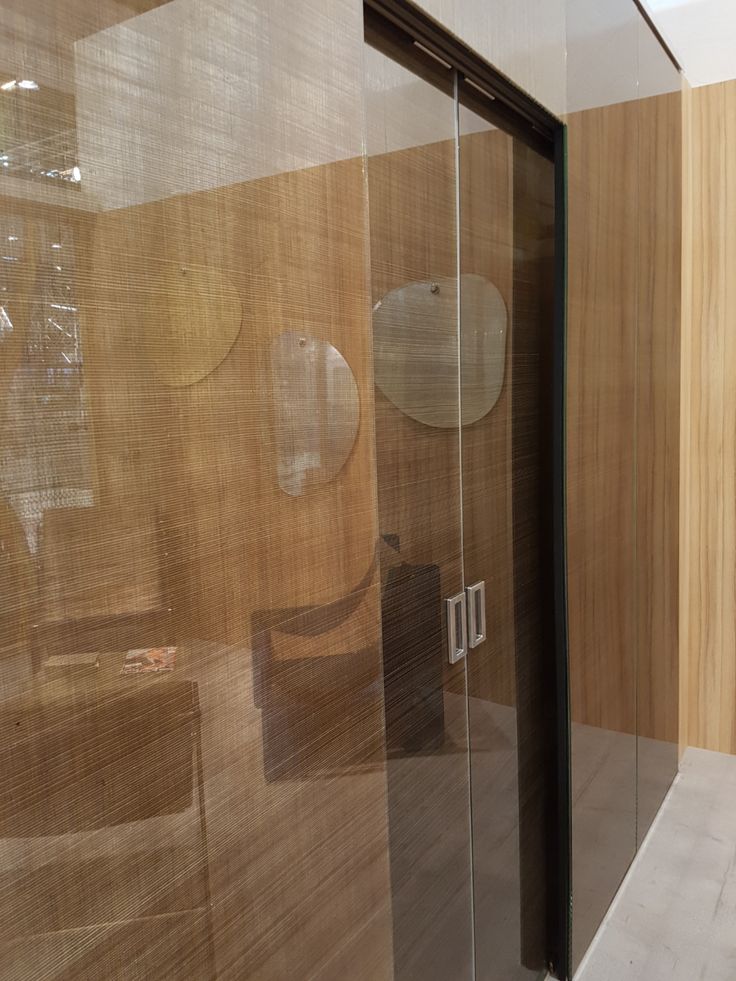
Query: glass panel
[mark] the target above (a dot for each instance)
(317, 411)
(658, 424)
(507, 243)
(524, 39)
(232, 742)
(601, 448)
(412, 183)
(191, 683)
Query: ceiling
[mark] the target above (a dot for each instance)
(701, 34)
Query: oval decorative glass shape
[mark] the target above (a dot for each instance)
(316, 411)
(415, 340)
(199, 321)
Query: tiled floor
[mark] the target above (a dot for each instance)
(675, 917)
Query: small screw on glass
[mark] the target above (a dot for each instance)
(302, 342)
(434, 288)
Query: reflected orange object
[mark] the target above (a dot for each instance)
(149, 660)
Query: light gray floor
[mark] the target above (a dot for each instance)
(675, 917)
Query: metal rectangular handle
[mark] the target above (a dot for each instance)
(476, 613)
(457, 629)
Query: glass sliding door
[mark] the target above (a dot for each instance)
(507, 228)
(412, 193)
(463, 229)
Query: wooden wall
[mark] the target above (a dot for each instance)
(292, 248)
(623, 483)
(623, 414)
(659, 318)
(297, 869)
(601, 414)
(708, 529)
(601, 460)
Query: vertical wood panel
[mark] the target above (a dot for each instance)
(601, 415)
(658, 414)
(658, 450)
(708, 647)
(623, 479)
(601, 465)
(686, 379)
(297, 869)
(486, 186)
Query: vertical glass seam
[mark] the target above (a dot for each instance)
(637, 578)
(458, 264)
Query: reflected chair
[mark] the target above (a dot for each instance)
(411, 626)
(322, 672)
(102, 828)
(317, 678)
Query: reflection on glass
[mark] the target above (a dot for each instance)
(507, 236)
(204, 188)
(314, 666)
(103, 830)
(45, 456)
(604, 204)
(200, 316)
(415, 349)
(412, 183)
(317, 411)
(39, 137)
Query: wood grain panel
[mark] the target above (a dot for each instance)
(601, 502)
(686, 380)
(289, 882)
(623, 482)
(623, 414)
(217, 436)
(486, 243)
(658, 414)
(601, 407)
(708, 438)
(658, 449)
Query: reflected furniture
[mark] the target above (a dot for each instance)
(314, 666)
(102, 826)
(102, 582)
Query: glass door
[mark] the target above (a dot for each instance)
(506, 328)
(412, 194)
(462, 218)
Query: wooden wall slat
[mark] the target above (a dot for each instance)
(708, 525)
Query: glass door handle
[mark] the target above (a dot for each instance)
(457, 628)
(476, 613)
